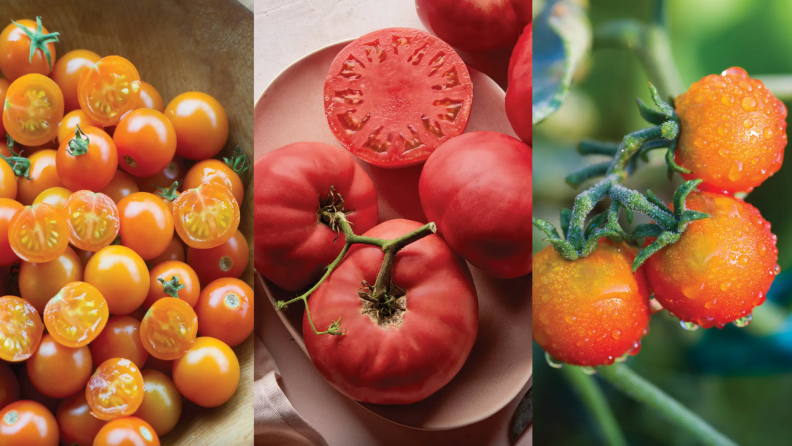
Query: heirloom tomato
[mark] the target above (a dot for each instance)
(519, 95)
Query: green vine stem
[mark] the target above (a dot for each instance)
(641, 390)
(593, 398)
(779, 84)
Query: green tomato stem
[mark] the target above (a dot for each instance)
(594, 399)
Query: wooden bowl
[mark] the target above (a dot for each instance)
(177, 46)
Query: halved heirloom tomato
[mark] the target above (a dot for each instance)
(207, 216)
(108, 89)
(20, 329)
(93, 220)
(39, 233)
(76, 315)
(405, 354)
(33, 109)
(392, 96)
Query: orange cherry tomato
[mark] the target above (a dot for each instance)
(40, 282)
(121, 276)
(43, 174)
(225, 310)
(175, 251)
(206, 216)
(4, 84)
(8, 181)
(70, 122)
(27, 423)
(174, 171)
(146, 224)
(115, 389)
(150, 98)
(76, 315)
(214, 171)
(208, 374)
(78, 426)
(58, 371)
(93, 220)
(127, 431)
(33, 109)
(84, 256)
(87, 161)
(108, 89)
(20, 329)
(160, 365)
(67, 71)
(201, 125)
(39, 233)
(173, 279)
(162, 402)
(56, 196)
(120, 186)
(8, 208)
(9, 386)
(146, 142)
(169, 328)
(16, 41)
(227, 260)
(120, 339)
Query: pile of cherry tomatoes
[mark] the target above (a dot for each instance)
(97, 174)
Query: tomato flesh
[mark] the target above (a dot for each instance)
(93, 220)
(39, 233)
(169, 328)
(115, 389)
(20, 329)
(76, 315)
(33, 109)
(108, 89)
(207, 216)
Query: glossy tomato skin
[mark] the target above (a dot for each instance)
(27, 423)
(383, 364)
(115, 389)
(227, 260)
(127, 431)
(8, 182)
(70, 122)
(214, 171)
(477, 189)
(290, 248)
(146, 224)
(150, 98)
(519, 95)
(76, 423)
(4, 84)
(56, 196)
(91, 170)
(40, 282)
(9, 386)
(201, 125)
(121, 185)
(225, 310)
(162, 402)
(43, 174)
(8, 208)
(146, 142)
(58, 371)
(206, 216)
(121, 276)
(119, 339)
(174, 171)
(208, 373)
(39, 233)
(15, 59)
(111, 73)
(67, 71)
(166, 271)
(33, 109)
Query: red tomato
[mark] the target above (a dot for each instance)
(201, 125)
(4, 84)
(127, 431)
(225, 310)
(115, 389)
(26, 423)
(146, 142)
(486, 174)
(77, 424)
(58, 371)
(43, 174)
(39, 233)
(519, 95)
(8, 208)
(9, 386)
(76, 315)
(146, 224)
(121, 276)
(120, 186)
(119, 339)
(175, 251)
(67, 71)
(56, 196)
(93, 220)
(207, 216)
(150, 98)
(185, 286)
(227, 260)
(392, 96)
(108, 89)
(169, 328)
(16, 41)
(33, 109)
(92, 151)
(162, 402)
(214, 171)
(406, 356)
(39, 282)
(174, 171)
(475, 25)
(208, 374)
(292, 185)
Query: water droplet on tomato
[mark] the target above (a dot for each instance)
(748, 123)
(711, 303)
(777, 269)
(655, 305)
(742, 260)
(743, 321)
(636, 348)
(689, 326)
(552, 362)
(588, 370)
(723, 130)
(616, 333)
(768, 132)
(761, 248)
(749, 104)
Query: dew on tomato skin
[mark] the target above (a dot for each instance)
(689, 326)
(749, 104)
(760, 298)
(711, 303)
(743, 260)
(616, 333)
(636, 348)
(588, 370)
(552, 362)
(743, 321)
(777, 269)
(727, 100)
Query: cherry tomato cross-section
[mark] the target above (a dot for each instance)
(169, 328)
(207, 216)
(39, 233)
(115, 389)
(108, 89)
(20, 329)
(93, 220)
(33, 109)
(76, 315)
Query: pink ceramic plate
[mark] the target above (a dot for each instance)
(290, 110)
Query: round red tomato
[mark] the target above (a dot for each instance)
(16, 41)
(8, 208)
(77, 424)
(40, 282)
(201, 125)
(120, 186)
(150, 97)
(39, 233)
(43, 175)
(207, 216)
(377, 360)
(93, 220)
(146, 142)
(392, 96)
(293, 184)
(477, 189)
(162, 402)
(58, 371)
(227, 260)
(67, 71)
(115, 389)
(33, 109)
(88, 160)
(519, 95)
(146, 224)
(185, 286)
(9, 386)
(26, 423)
(208, 373)
(108, 89)
(119, 339)
(127, 431)
(225, 310)
(214, 171)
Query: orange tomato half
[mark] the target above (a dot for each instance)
(76, 315)
(33, 109)
(39, 233)
(169, 328)
(67, 71)
(115, 389)
(206, 216)
(108, 89)
(20, 329)
(93, 220)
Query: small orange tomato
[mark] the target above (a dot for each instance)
(29, 392)
(58, 371)
(43, 174)
(93, 220)
(119, 339)
(76, 315)
(26, 423)
(121, 276)
(160, 365)
(169, 328)
(67, 71)
(206, 216)
(20, 329)
(225, 310)
(146, 142)
(69, 124)
(115, 389)
(214, 171)
(8, 208)
(16, 42)
(56, 196)
(39, 233)
(174, 171)
(162, 402)
(33, 109)
(77, 424)
(146, 224)
(150, 98)
(127, 431)
(84, 256)
(175, 251)
(173, 279)
(9, 386)
(108, 89)
(201, 125)
(208, 374)
(87, 161)
(4, 84)
(120, 186)
(8, 181)
(227, 260)
(39, 282)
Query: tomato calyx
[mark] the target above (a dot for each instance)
(169, 193)
(238, 162)
(39, 40)
(79, 144)
(330, 208)
(19, 164)
(172, 286)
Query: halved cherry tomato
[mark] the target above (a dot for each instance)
(206, 216)
(174, 171)
(214, 171)
(225, 310)
(8, 208)
(127, 431)
(169, 328)
(67, 71)
(146, 224)
(8, 181)
(40, 282)
(146, 142)
(121, 276)
(108, 89)
(201, 125)
(58, 371)
(115, 389)
(56, 196)
(39, 233)
(120, 339)
(78, 426)
(87, 161)
(4, 84)
(70, 122)
(208, 374)
(16, 41)
(43, 175)
(76, 315)
(93, 220)
(26, 423)
(173, 279)
(162, 402)
(20, 329)
(33, 109)
(150, 98)
(9, 386)
(175, 251)
(120, 186)
(227, 260)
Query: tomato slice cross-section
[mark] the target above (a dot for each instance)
(20, 329)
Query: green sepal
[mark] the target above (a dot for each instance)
(564, 249)
(238, 162)
(657, 202)
(650, 145)
(595, 222)
(547, 228)
(593, 241)
(689, 216)
(647, 230)
(169, 193)
(665, 109)
(77, 145)
(649, 114)
(582, 174)
(566, 217)
(681, 194)
(172, 286)
(39, 40)
(671, 163)
(613, 219)
(665, 238)
(630, 215)
(670, 130)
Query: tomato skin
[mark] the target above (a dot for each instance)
(26, 423)
(162, 402)
(206, 216)
(208, 374)
(33, 109)
(8, 181)
(201, 125)
(4, 84)
(116, 73)
(55, 196)
(520, 92)
(9, 386)
(44, 174)
(76, 315)
(166, 271)
(146, 142)
(30, 392)
(169, 328)
(121, 276)
(227, 260)
(40, 282)
(115, 389)
(174, 171)
(127, 431)
(175, 251)
(93, 220)
(146, 224)
(485, 174)
(58, 371)
(150, 98)
(70, 122)
(214, 171)
(121, 185)
(15, 52)
(119, 339)
(101, 160)
(39, 233)
(8, 208)
(67, 71)
(225, 310)
(381, 365)
(290, 249)
(76, 423)
(721, 267)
